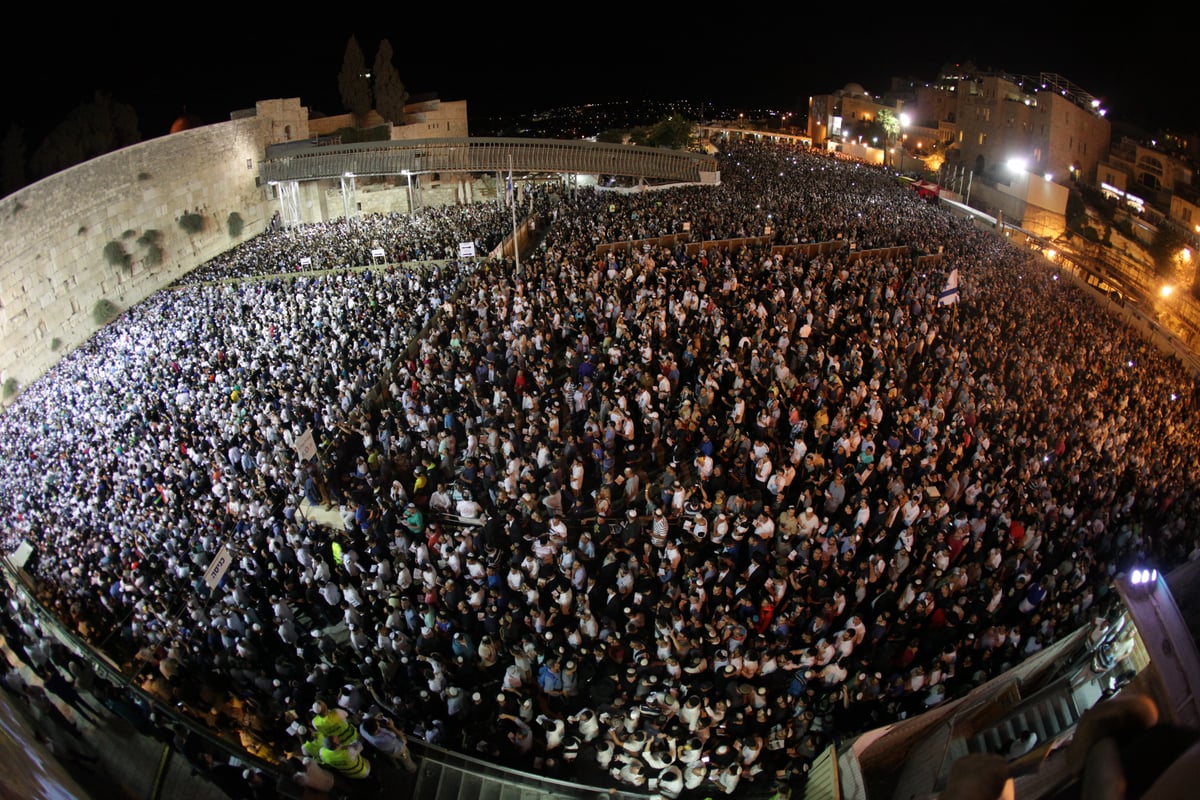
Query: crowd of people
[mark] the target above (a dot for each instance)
(429, 234)
(668, 518)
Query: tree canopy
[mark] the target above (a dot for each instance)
(889, 122)
(90, 130)
(673, 131)
(12, 161)
(390, 94)
(1168, 251)
(354, 83)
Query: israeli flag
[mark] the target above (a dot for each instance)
(949, 295)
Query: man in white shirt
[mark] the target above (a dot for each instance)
(469, 508)
(440, 500)
(381, 733)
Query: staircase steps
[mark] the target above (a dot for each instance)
(1047, 717)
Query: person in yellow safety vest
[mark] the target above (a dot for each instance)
(346, 759)
(333, 722)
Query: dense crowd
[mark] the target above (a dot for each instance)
(666, 517)
(428, 234)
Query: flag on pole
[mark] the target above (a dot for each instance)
(949, 295)
(508, 190)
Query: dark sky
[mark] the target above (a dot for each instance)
(592, 54)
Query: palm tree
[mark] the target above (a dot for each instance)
(890, 123)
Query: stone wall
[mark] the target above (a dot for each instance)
(86, 234)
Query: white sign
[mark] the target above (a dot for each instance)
(21, 555)
(466, 249)
(306, 261)
(217, 569)
(305, 446)
(377, 252)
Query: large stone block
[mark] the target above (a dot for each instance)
(57, 229)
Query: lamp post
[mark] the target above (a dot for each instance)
(512, 202)
(1017, 166)
(348, 192)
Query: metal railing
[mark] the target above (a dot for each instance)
(167, 714)
(419, 156)
(440, 761)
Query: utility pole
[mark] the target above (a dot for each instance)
(512, 201)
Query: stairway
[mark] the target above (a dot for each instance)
(1046, 715)
(446, 782)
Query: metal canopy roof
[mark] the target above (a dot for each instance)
(305, 161)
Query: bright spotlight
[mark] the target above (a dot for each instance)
(1143, 576)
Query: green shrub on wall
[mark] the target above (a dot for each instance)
(152, 241)
(105, 311)
(10, 387)
(114, 254)
(191, 222)
(55, 343)
(236, 224)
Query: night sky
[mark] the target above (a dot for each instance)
(626, 52)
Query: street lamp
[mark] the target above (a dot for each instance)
(905, 121)
(348, 194)
(1017, 166)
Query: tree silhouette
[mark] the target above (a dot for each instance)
(390, 94)
(90, 130)
(12, 162)
(354, 83)
(673, 131)
(891, 129)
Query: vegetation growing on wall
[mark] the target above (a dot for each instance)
(191, 222)
(55, 343)
(151, 240)
(143, 176)
(236, 224)
(10, 387)
(115, 254)
(105, 311)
